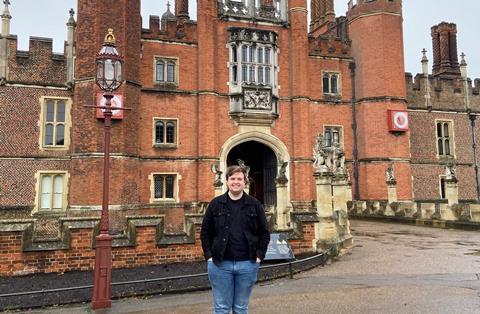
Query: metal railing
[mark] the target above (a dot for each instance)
(267, 272)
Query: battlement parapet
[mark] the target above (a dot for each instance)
(446, 93)
(357, 8)
(39, 65)
(170, 29)
(333, 42)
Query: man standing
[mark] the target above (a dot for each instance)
(234, 240)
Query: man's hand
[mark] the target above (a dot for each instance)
(259, 260)
(211, 259)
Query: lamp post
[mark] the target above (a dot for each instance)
(108, 78)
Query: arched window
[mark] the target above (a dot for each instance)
(159, 132)
(331, 136)
(160, 71)
(166, 70)
(171, 72)
(170, 138)
(54, 125)
(331, 83)
(165, 132)
(444, 138)
(51, 193)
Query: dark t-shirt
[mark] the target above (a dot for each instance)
(237, 245)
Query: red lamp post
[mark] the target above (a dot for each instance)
(108, 78)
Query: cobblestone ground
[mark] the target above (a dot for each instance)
(392, 268)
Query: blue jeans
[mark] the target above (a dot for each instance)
(232, 283)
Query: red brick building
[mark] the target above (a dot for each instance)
(247, 80)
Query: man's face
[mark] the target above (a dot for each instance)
(236, 183)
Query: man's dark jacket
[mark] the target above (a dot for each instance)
(216, 228)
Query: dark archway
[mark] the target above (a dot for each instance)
(263, 169)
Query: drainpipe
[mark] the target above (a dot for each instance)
(472, 116)
(356, 191)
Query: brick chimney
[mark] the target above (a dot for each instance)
(445, 56)
(322, 12)
(181, 9)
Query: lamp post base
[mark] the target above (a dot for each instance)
(102, 272)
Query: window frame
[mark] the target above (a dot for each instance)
(39, 176)
(42, 123)
(176, 178)
(443, 138)
(330, 75)
(166, 60)
(164, 143)
(442, 187)
(246, 65)
(340, 134)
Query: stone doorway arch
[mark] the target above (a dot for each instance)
(250, 140)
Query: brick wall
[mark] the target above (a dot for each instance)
(21, 121)
(447, 103)
(15, 260)
(39, 65)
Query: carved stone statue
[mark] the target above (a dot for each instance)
(218, 176)
(450, 171)
(242, 164)
(338, 160)
(390, 175)
(349, 177)
(282, 176)
(320, 155)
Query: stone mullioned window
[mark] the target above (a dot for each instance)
(444, 138)
(253, 80)
(55, 123)
(165, 132)
(164, 187)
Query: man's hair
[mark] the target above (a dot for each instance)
(236, 169)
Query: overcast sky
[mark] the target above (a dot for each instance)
(47, 18)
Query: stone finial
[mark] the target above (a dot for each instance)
(424, 62)
(167, 16)
(6, 17)
(463, 66)
(71, 19)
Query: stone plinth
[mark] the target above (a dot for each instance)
(451, 191)
(339, 190)
(218, 190)
(323, 183)
(392, 193)
(283, 208)
(325, 234)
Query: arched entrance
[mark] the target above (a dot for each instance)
(263, 169)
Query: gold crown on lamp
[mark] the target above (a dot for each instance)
(110, 38)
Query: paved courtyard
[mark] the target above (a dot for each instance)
(393, 268)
